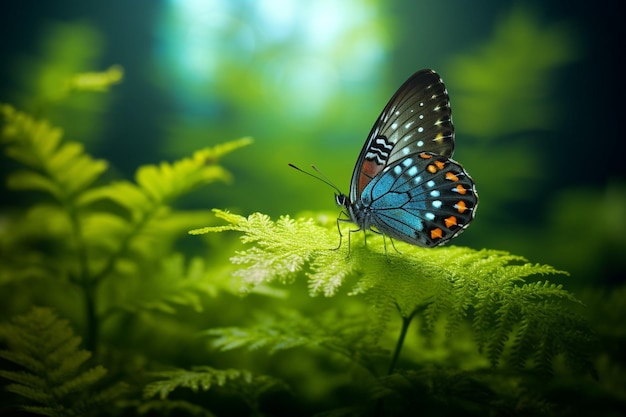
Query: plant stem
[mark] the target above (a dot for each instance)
(92, 330)
(84, 279)
(406, 321)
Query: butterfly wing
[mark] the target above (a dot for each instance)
(416, 119)
(425, 199)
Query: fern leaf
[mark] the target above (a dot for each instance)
(96, 81)
(197, 379)
(53, 379)
(196, 280)
(60, 169)
(244, 384)
(166, 181)
(448, 284)
(283, 247)
(172, 408)
(344, 335)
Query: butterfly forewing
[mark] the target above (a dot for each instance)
(416, 119)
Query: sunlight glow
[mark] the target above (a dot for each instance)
(300, 48)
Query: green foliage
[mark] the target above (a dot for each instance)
(504, 94)
(487, 323)
(62, 170)
(90, 232)
(511, 65)
(54, 377)
(522, 323)
(244, 384)
(435, 391)
(347, 336)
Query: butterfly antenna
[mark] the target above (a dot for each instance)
(320, 176)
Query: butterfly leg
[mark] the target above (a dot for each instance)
(339, 219)
(394, 246)
(340, 234)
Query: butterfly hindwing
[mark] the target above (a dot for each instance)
(416, 119)
(424, 199)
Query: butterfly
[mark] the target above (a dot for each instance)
(405, 184)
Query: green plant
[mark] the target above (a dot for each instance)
(516, 323)
(76, 218)
(53, 376)
(448, 330)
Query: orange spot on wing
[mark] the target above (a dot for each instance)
(460, 206)
(431, 168)
(460, 189)
(425, 156)
(450, 176)
(450, 221)
(436, 233)
(440, 164)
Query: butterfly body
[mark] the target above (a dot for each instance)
(404, 184)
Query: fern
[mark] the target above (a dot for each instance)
(446, 284)
(60, 169)
(86, 240)
(246, 385)
(344, 335)
(54, 380)
(95, 81)
(432, 391)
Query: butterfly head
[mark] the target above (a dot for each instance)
(342, 200)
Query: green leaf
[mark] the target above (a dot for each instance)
(445, 284)
(54, 379)
(60, 169)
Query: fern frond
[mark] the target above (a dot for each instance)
(432, 391)
(53, 378)
(441, 284)
(163, 183)
(201, 378)
(347, 336)
(178, 282)
(245, 384)
(61, 169)
(95, 81)
(284, 247)
(172, 408)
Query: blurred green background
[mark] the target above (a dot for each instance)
(534, 87)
